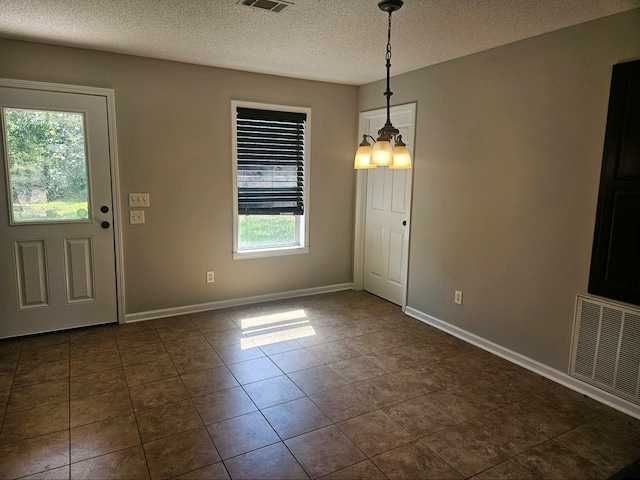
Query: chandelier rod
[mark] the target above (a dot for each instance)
(388, 92)
(388, 131)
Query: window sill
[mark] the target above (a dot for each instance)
(272, 252)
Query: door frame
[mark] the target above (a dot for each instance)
(361, 202)
(109, 95)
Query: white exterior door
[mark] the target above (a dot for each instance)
(387, 213)
(57, 242)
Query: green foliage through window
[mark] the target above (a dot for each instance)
(47, 164)
(266, 231)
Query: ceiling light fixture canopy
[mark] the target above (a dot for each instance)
(383, 154)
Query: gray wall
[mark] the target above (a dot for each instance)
(174, 134)
(507, 163)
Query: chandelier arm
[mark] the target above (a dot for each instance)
(365, 143)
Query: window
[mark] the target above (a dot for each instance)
(270, 179)
(46, 165)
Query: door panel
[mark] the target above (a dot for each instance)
(31, 273)
(386, 211)
(79, 271)
(374, 248)
(615, 258)
(396, 247)
(398, 197)
(57, 257)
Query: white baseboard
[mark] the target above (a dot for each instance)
(530, 364)
(202, 307)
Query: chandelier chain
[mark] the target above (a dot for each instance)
(388, 55)
(388, 127)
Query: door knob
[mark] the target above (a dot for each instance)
(104, 209)
(404, 223)
(105, 225)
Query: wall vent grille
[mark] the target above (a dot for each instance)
(276, 6)
(605, 350)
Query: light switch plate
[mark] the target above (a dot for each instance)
(136, 216)
(138, 199)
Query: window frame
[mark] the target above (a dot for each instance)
(301, 221)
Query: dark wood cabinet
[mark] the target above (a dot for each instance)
(615, 260)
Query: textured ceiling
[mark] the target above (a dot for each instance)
(339, 41)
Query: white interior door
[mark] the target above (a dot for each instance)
(387, 213)
(57, 244)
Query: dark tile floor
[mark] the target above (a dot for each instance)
(340, 385)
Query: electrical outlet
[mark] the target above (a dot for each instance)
(458, 297)
(136, 216)
(210, 277)
(138, 199)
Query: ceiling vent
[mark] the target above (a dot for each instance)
(271, 5)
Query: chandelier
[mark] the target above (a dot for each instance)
(383, 154)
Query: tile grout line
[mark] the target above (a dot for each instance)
(69, 430)
(204, 425)
(135, 416)
(11, 387)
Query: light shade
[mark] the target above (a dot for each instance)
(401, 157)
(363, 158)
(382, 153)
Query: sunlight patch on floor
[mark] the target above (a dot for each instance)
(275, 328)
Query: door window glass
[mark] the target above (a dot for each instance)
(47, 165)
